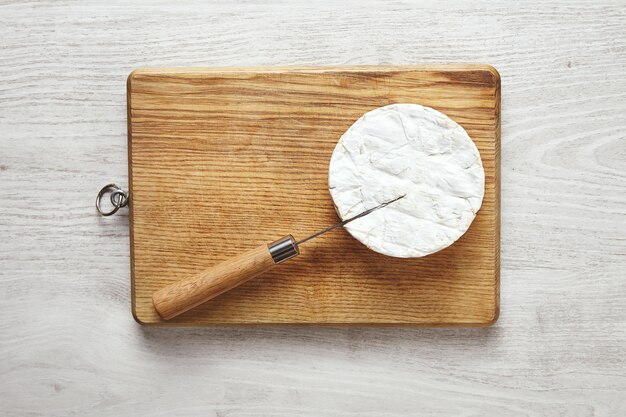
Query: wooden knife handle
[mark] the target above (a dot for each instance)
(186, 294)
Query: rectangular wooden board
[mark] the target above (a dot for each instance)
(224, 159)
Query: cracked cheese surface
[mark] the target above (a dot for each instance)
(412, 150)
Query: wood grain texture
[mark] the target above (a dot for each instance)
(187, 293)
(68, 343)
(243, 155)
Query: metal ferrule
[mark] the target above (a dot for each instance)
(283, 249)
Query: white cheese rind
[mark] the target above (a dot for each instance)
(412, 150)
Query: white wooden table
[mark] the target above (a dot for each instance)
(68, 343)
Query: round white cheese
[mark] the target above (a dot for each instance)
(415, 151)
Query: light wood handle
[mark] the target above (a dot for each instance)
(184, 295)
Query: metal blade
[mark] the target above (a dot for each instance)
(343, 223)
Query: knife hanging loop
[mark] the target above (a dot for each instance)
(117, 196)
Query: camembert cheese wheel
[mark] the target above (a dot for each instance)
(415, 151)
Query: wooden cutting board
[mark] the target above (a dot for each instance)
(222, 160)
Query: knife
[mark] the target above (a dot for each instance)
(186, 294)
